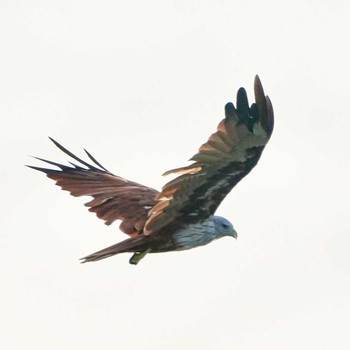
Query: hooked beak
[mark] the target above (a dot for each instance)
(234, 234)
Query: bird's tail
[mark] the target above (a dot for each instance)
(138, 245)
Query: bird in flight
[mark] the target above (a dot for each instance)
(180, 216)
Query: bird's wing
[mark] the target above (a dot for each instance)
(229, 155)
(114, 198)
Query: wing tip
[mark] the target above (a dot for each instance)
(258, 90)
(264, 106)
(230, 111)
(257, 80)
(242, 101)
(270, 115)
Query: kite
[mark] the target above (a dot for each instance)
(180, 216)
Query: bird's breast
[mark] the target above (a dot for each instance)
(195, 235)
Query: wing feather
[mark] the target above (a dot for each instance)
(114, 198)
(229, 155)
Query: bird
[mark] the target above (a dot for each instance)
(181, 215)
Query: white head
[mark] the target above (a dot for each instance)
(223, 227)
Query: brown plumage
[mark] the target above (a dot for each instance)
(160, 221)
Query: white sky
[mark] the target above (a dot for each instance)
(141, 84)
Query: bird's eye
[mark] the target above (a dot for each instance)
(225, 226)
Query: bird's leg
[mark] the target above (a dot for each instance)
(135, 259)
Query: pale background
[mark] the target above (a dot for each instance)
(141, 84)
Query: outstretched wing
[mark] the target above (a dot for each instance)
(229, 155)
(114, 198)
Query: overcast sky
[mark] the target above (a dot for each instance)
(141, 85)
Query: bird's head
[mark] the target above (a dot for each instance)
(223, 227)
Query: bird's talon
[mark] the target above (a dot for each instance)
(135, 259)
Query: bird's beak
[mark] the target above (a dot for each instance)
(234, 234)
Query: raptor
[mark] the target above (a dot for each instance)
(182, 215)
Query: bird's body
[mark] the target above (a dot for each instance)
(191, 236)
(180, 216)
